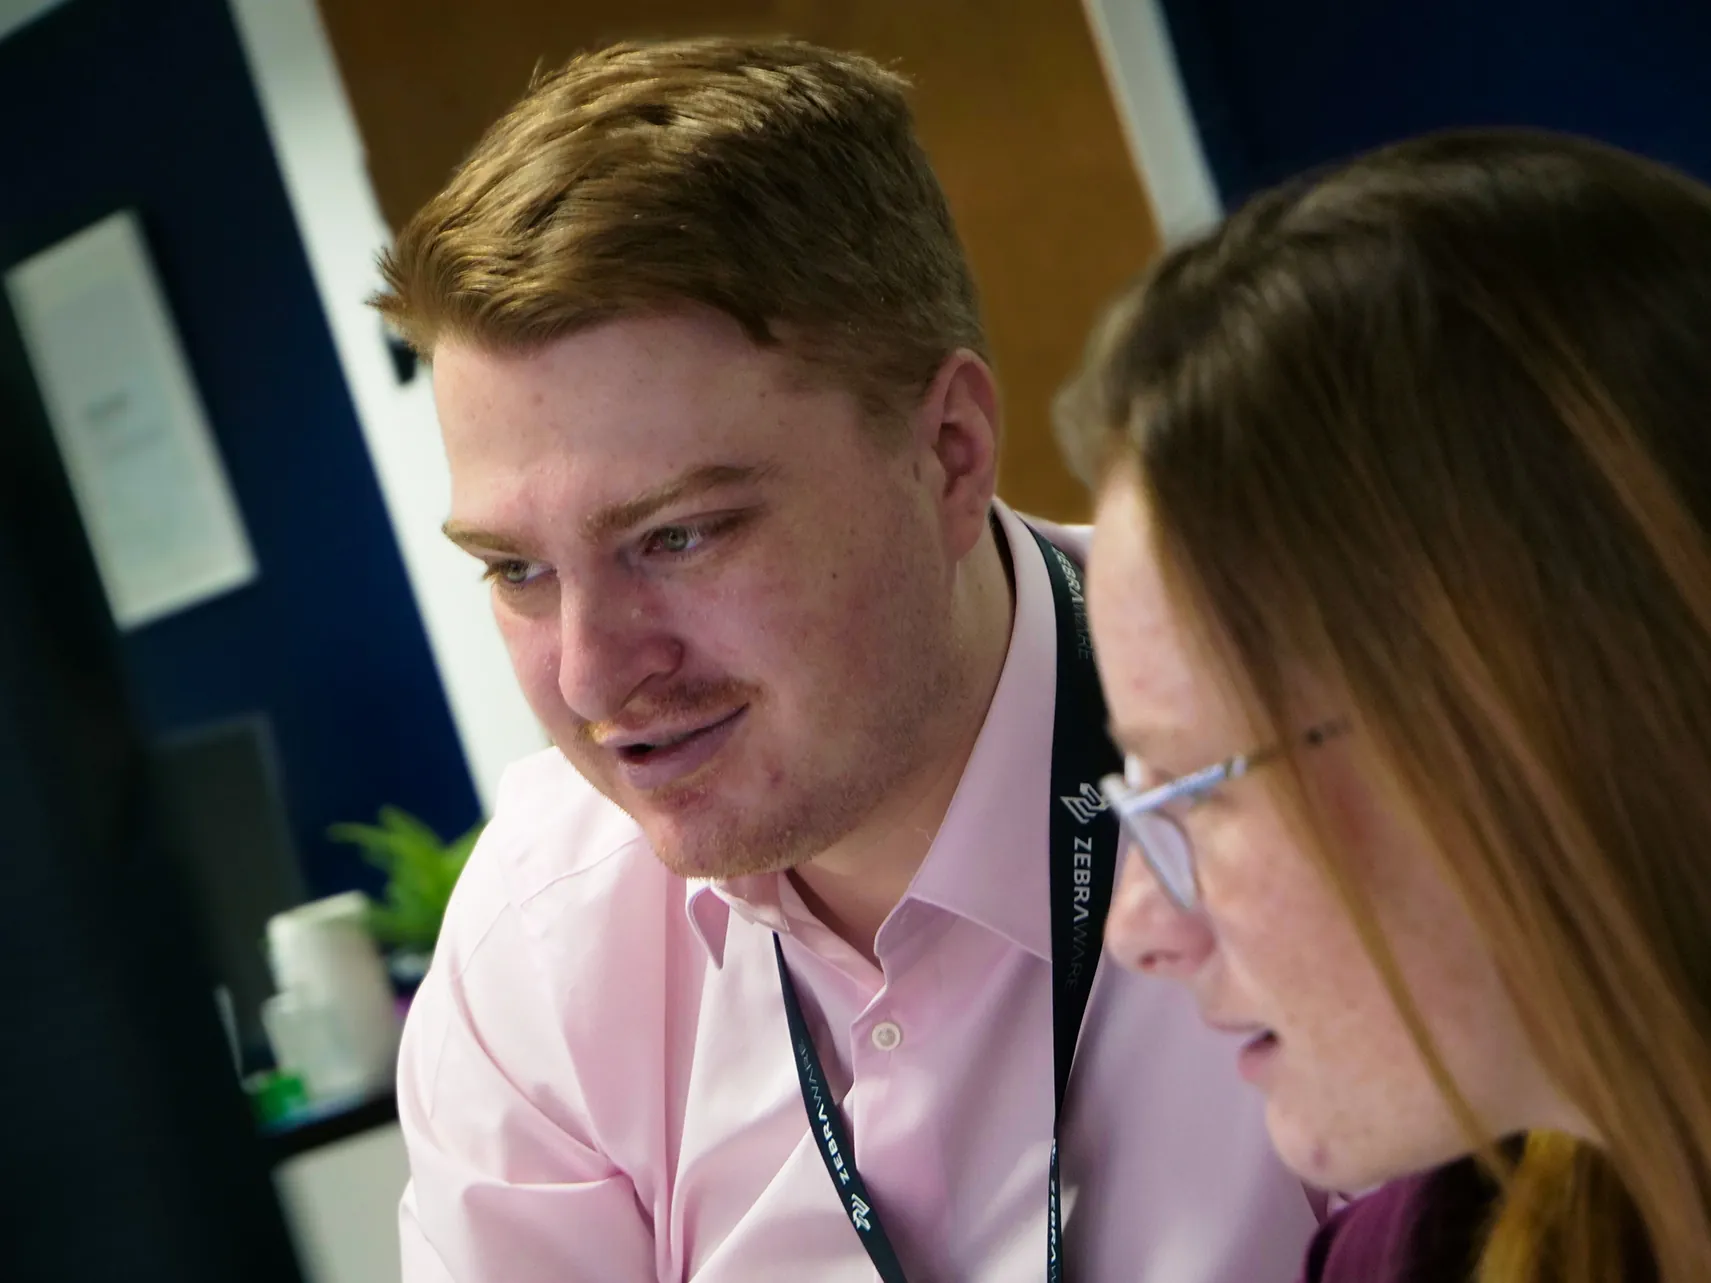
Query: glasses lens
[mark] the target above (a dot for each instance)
(1168, 854)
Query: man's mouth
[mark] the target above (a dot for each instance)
(670, 756)
(641, 750)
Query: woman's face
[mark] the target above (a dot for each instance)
(1270, 954)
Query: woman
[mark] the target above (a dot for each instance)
(1404, 525)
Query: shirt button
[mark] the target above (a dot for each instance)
(887, 1035)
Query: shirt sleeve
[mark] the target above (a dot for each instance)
(422, 1264)
(508, 1184)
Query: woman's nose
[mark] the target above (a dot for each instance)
(1148, 932)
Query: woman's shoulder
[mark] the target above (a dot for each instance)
(1420, 1229)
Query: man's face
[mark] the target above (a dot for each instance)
(725, 599)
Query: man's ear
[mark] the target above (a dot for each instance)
(955, 428)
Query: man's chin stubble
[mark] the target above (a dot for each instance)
(776, 848)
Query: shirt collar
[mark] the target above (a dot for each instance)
(989, 861)
(710, 902)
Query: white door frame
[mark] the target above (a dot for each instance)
(1140, 66)
(320, 155)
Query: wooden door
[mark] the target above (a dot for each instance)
(1011, 101)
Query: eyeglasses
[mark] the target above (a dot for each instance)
(1151, 819)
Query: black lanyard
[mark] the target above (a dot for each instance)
(1083, 854)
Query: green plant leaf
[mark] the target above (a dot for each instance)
(421, 870)
(376, 844)
(409, 833)
(390, 927)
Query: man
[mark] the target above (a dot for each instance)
(721, 429)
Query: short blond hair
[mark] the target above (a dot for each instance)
(773, 180)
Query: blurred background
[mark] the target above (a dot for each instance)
(248, 693)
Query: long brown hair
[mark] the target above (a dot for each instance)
(1436, 427)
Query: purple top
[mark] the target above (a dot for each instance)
(1421, 1229)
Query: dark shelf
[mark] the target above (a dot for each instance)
(287, 1141)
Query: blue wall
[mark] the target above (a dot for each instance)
(147, 104)
(1279, 86)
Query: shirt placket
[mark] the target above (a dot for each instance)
(892, 1103)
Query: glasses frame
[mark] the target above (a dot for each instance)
(1160, 837)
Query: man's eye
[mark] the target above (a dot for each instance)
(513, 574)
(674, 540)
(686, 538)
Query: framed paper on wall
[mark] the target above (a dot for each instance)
(131, 429)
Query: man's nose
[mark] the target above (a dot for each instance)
(610, 645)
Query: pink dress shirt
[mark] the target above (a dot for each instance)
(597, 1084)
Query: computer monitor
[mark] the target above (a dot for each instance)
(222, 804)
(127, 1151)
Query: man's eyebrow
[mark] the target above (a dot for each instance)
(472, 539)
(619, 517)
